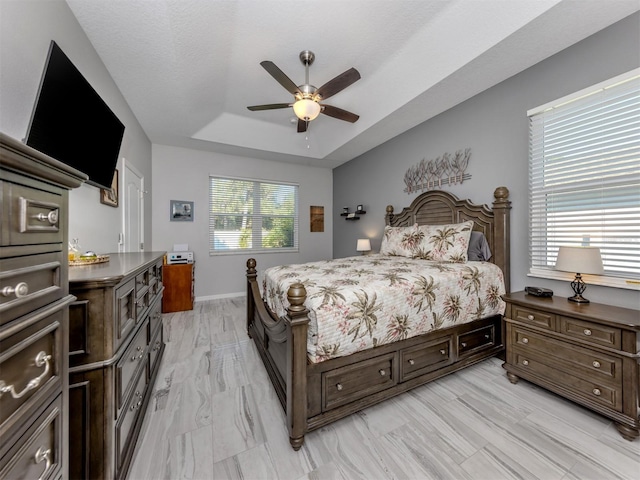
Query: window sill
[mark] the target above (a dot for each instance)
(604, 281)
(252, 252)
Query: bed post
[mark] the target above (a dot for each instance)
(298, 322)
(251, 277)
(502, 232)
(389, 216)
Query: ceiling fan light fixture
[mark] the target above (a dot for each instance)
(306, 109)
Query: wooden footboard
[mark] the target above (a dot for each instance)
(314, 395)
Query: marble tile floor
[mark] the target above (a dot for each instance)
(214, 415)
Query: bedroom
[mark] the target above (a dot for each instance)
(27, 27)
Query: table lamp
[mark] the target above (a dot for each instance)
(579, 260)
(363, 245)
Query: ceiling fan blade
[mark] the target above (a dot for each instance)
(339, 113)
(280, 77)
(270, 106)
(338, 83)
(302, 126)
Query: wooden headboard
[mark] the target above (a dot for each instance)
(436, 207)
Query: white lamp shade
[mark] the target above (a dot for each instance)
(580, 260)
(364, 245)
(306, 109)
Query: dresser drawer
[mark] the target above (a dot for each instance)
(476, 340)
(534, 317)
(35, 215)
(352, 382)
(424, 358)
(155, 347)
(155, 318)
(580, 361)
(129, 364)
(546, 368)
(128, 418)
(37, 454)
(28, 283)
(591, 332)
(30, 365)
(126, 311)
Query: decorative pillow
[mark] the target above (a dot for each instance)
(399, 241)
(444, 243)
(478, 250)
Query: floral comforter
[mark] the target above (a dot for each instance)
(357, 303)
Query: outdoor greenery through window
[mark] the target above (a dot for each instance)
(584, 177)
(252, 216)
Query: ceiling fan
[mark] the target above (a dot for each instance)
(306, 105)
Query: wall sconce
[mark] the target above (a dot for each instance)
(579, 260)
(363, 245)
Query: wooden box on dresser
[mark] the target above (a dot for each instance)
(588, 353)
(34, 303)
(115, 347)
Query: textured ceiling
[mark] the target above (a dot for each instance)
(189, 68)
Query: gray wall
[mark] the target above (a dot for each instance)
(494, 125)
(223, 275)
(26, 30)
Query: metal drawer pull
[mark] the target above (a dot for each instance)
(487, 336)
(596, 364)
(525, 340)
(382, 372)
(20, 290)
(531, 318)
(587, 332)
(464, 344)
(41, 359)
(339, 386)
(443, 351)
(412, 361)
(597, 392)
(43, 455)
(137, 357)
(51, 217)
(525, 362)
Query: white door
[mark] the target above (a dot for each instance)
(133, 211)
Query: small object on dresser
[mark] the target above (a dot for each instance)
(539, 291)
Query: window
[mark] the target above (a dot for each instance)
(584, 178)
(252, 216)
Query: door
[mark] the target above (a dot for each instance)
(133, 211)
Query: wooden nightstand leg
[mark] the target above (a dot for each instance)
(627, 432)
(512, 378)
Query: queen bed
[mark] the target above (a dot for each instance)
(341, 335)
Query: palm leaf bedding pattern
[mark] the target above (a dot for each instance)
(357, 303)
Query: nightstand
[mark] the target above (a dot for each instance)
(587, 353)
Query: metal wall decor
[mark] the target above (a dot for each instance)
(447, 169)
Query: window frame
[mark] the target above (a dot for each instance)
(618, 280)
(256, 216)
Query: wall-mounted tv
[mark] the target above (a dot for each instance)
(71, 123)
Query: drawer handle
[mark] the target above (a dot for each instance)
(487, 336)
(525, 362)
(596, 364)
(597, 392)
(587, 332)
(443, 351)
(20, 290)
(41, 359)
(531, 318)
(412, 361)
(43, 455)
(464, 344)
(51, 217)
(382, 372)
(525, 340)
(339, 387)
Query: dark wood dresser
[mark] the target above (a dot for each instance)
(178, 288)
(34, 304)
(115, 348)
(588, 353)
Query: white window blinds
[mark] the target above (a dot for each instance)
(584, 176)
(252, 216)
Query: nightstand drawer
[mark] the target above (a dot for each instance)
(534, 317)
(592, 391)
(591, 332)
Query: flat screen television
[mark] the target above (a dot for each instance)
(71, 123)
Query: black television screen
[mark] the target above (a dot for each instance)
(71, 123)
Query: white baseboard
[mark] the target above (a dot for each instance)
(218, 297)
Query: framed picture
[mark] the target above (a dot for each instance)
(181, 211)
(110, 196)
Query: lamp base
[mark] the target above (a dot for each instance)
(577, 298)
